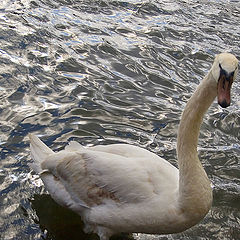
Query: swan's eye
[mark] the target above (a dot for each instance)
(222, 71)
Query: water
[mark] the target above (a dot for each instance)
(104, 72)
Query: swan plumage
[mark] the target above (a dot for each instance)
(124, 188)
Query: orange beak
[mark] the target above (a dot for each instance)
(224, 89)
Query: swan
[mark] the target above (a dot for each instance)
(123, 188)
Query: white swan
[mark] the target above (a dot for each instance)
(124, 188)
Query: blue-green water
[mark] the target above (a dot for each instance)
(104, 72)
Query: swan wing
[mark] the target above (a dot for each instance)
(94, 177)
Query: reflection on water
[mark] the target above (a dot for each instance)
(104, 72)
(59, 223)
(55, 221)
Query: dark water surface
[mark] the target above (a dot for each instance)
(105, 72)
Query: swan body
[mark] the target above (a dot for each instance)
(124, 188)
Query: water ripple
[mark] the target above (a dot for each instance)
(112, 71)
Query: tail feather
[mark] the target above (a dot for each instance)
(39, 152)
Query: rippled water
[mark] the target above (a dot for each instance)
(104, 72)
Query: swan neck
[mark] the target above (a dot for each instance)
(192, 115)
(194, 185)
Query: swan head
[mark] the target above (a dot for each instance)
(224, 71)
